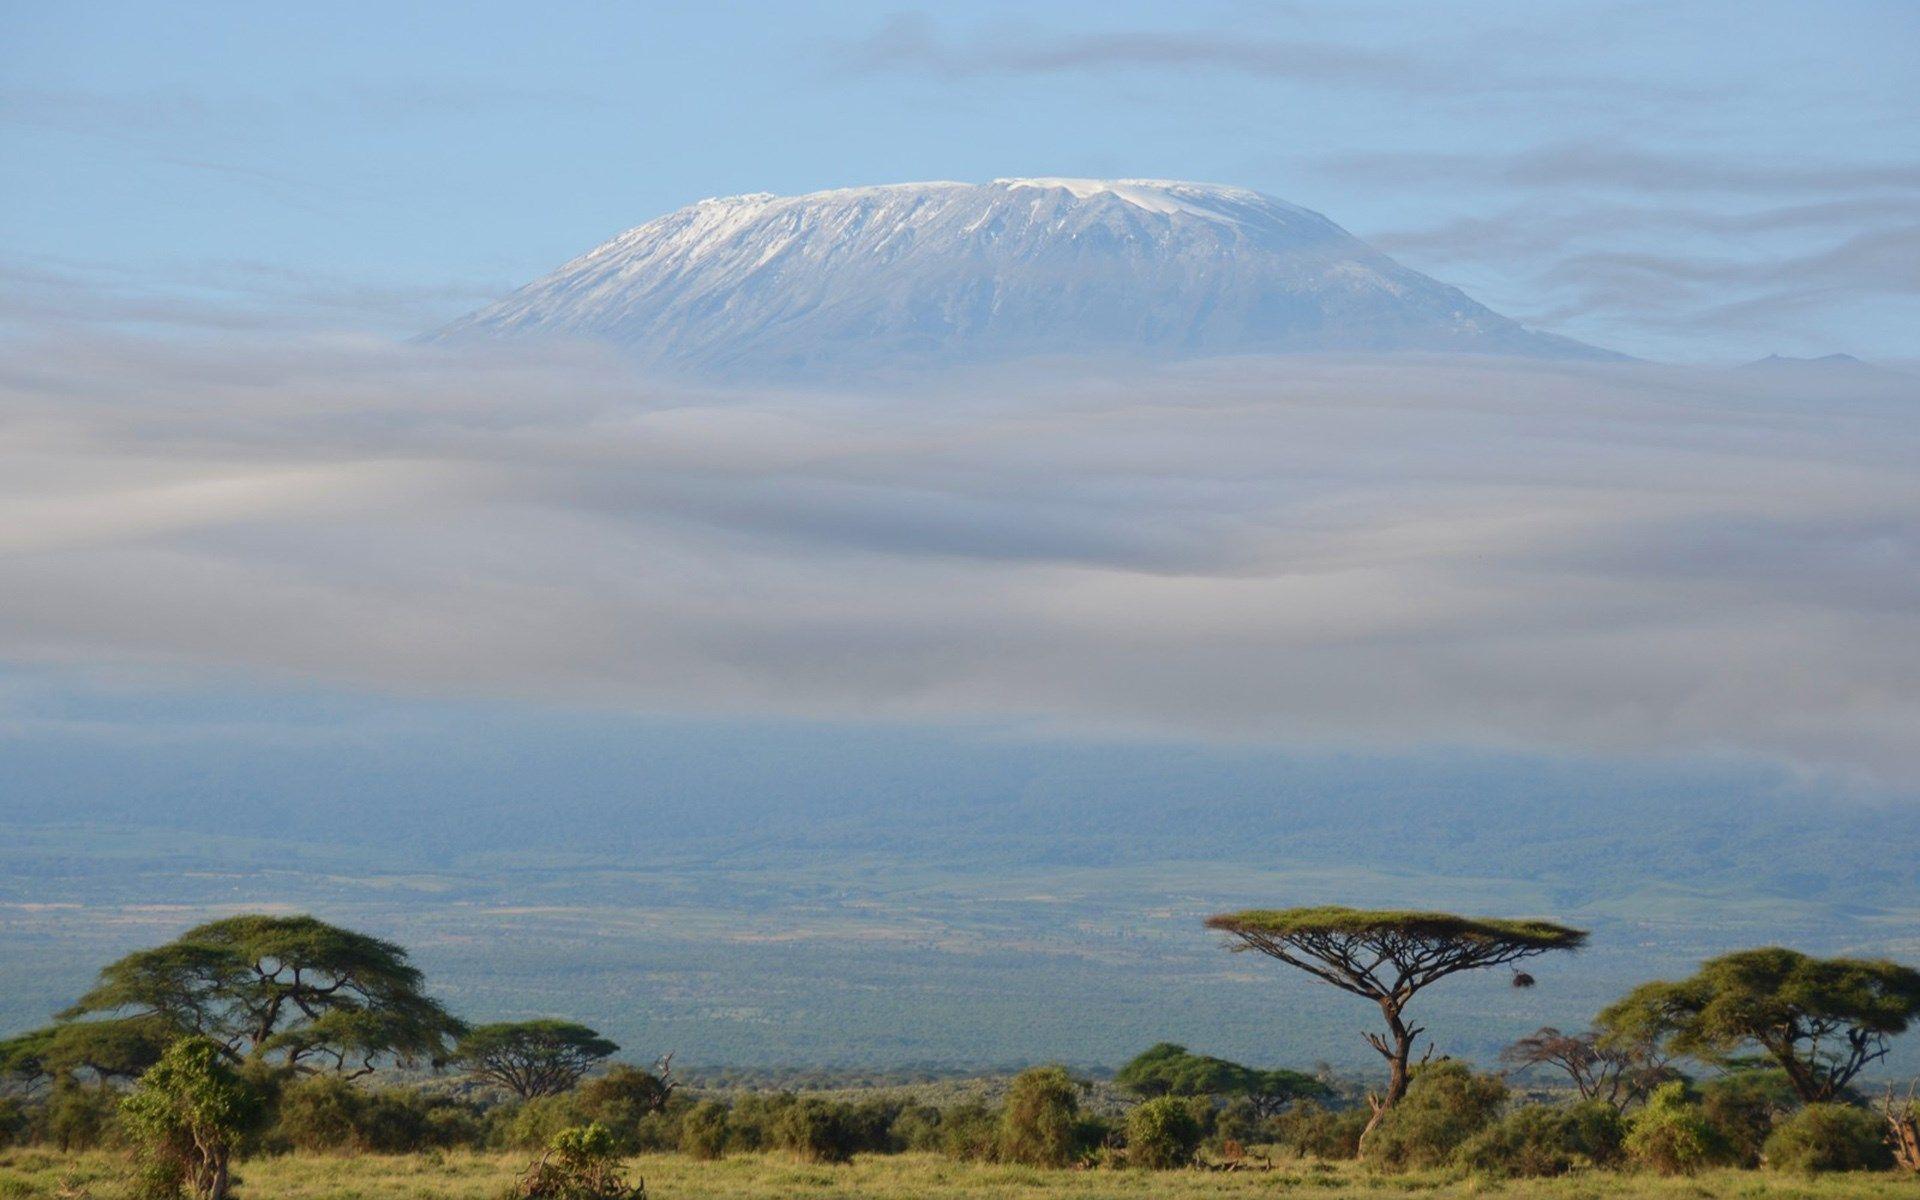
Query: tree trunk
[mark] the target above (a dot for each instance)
(1396, 1048)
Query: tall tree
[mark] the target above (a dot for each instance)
(1388, 957)
(1821, 1020)
(293, 990)
(533, 1058)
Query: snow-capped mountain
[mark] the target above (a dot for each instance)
(935, 273)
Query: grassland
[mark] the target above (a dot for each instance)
(30, 1174)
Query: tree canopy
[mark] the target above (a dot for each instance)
(291, 989)
(533, 1058)
(1170, 1070)
(1615, 1071)
(1388, 956)
(1821, 1020)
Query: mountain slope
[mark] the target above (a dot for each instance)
(937, 273)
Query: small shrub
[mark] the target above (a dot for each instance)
(582, 1163)
(1743, 1107)
(76, 1117)
(1672, 1135)
(186, 1114)
(1446, 1104)
(1037, 1126)
(1162, 1133)
(533, 1124)
(918, 1128)
(970, 1133)
(815, 1131)
(703, 1131)
(1537, 1141)
(1830, 1137)
(1311, 1130)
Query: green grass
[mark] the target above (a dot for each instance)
(32, 1174)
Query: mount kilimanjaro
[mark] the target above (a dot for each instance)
(931, 274)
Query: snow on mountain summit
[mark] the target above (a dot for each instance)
(925, 274)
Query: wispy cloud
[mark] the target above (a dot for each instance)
(1623, 168)
(916, 43)
(1330, 554)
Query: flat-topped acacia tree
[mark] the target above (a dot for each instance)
(1388, 957)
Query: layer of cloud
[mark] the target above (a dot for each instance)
(1313, 553)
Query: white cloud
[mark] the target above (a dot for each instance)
(1625, 560)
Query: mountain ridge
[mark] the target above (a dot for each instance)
(943, 272)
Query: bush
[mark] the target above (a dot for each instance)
(751, 1123)
(918, 1128)
(533, 1124)
(14, 1121)
(1742, 1108)
(970, 1132)
(1540, 1140)
(1161, 1134)
(324, 1113)
(1446, 1104)
(1038, 1124)
(815, 1131)
(582, 1163)
(186, 1114)
(81, 1118)
(1672, 1135)
(703, 1131)
(1830, 1137)
(1311, 1130)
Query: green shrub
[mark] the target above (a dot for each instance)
(1830, 1137)
(78, 1117)
(533, 1124)
(1742, 1108)
(970, 1132)
(1539, 1140)
(186, 1115)
(1162, 1133)
(582, 1163)
(1309, 1129)
(703, 1130)
(1672, 1135)
(1446, 1104)
(324, 1113)
(750, 1125)
(918, 1128)
(815, 1131)
(1037, 1125)
(15, 1121)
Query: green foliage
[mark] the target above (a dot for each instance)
(1312, 1130)
(1419, 926)
(80, 1117)
(532, 1058)
(1536, 1141)
(1830, 1137)
(1170, 1070)
(1446, 1105)
(328, 1114)
(1822, 1021)
(703, 1131)
(1743, 1106)
(1038, 1124)
(1161, 1134)
(580, 1163)
(187, 1114)
(1672, 1135)
(296, 989)
(970, 1132)
(815, 1131)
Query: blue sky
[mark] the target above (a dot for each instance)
(1697, 183)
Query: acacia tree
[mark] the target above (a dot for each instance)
(291, 990)
(1616, 1071)
(532, 1058)
(1821, 1020)
(101, 1051)
(1388, 957)
(1170, 1070)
